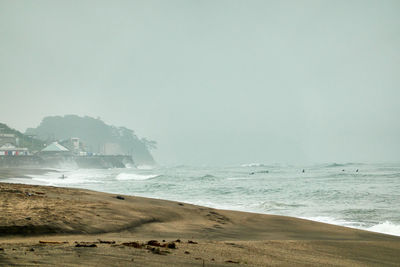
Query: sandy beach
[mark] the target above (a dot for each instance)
(47, 226)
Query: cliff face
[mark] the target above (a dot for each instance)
(96, 136)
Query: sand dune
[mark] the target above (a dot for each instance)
(30, 214)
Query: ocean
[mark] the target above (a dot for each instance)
(338, 194)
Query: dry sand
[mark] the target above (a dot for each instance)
(50, 226)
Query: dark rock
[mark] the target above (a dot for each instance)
(187, 252)
(171, 245)
(192, 242)
(120, 197)
(178, 241)
(153, 243)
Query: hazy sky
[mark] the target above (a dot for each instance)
(221, 82)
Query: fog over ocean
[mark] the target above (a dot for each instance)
(332, 193)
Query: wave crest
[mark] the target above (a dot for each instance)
(386, 228)
(254, 164)
(133, 176)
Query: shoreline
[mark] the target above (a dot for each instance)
(26, 173)
(219, 237)
(10, 172)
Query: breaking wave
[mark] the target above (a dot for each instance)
(133, 176)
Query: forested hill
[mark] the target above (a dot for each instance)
(96, 136)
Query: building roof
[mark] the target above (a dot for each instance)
(55, 147)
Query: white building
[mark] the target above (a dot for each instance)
(55, 147)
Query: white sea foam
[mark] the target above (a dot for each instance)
(145, 167)
(386, 228)
(383, 228)
(329, 220)
(132, 176)
(253, 164)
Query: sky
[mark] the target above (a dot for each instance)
(213, 81)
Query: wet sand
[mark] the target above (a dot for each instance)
(49, 226)
(6, 173)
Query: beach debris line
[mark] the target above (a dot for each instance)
(52, 242)
(106, 242)
(154, 243)
(86, 245)
(150, 243)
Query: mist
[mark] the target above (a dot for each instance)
(213, 82)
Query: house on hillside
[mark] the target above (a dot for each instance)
(8, 139)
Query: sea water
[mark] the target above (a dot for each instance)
(364, 196)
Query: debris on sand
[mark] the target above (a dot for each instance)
(52, 242)
(154, 243)
(106, 242)
(86, 245)
(192, 242)
(120, 197)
